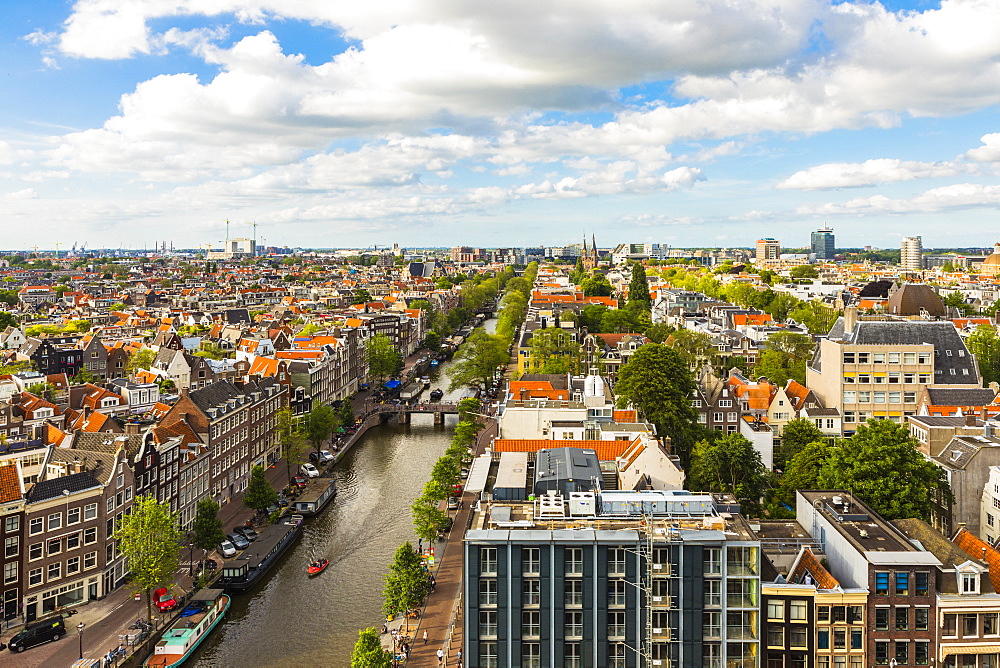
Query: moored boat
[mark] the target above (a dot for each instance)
(436, 394)
(242, 573)
(204, 611)
(434, 363)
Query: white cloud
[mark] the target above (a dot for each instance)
(989, 151)
(870, 172)
(947, 198)
(27, 193)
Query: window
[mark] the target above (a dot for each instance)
(878, 358)
(797, 636)
(893, 358)
(616, 624)
(863, 358)
(616, 561)
(488, 560)
(921, 619)
(10, 572)
(725, 403)
(850, 397)
(797, 611)
(712, 560)
(909, 378)
(878, 397)
(921, 582)
(73, 516)
(848, 358)
(881, 619)
(55, 571)
(839, 638)
(989, 623)
(950, 626)
(776, 636)
(864, 397)
(902, 652)
(72, 565)
(718, 417)
(573, 657)
(487, 623)
(970, 627)
(573, 592)
(90, 511)
(34, 551)
(574, 624)
(488, 655)
(531, 655)
(35, 526)
(574, 560)
(894, 398)
(857, 637)
(902, 583)
(55, 546)
(970, 583)
(616, 593)
(823, 613)
(855, 614)
(487, 592)
(823, 638)
(530, 560)
(902, 618)
(530, 623)
(531, 592)
(90, 536)
(12, 524)
(921, 652)
(894, 377)
(909, 358)
(90, 560)
(711, 623)
(924, 378)
(882, 585)
(11, 546)
(881, 652)
(909, 397)
(776, 610)
(34, 577)
(923, 358)
(713, 592)
(616, 655)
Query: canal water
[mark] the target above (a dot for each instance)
(291, 620)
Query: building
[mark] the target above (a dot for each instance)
(768, 250)
(911, 254)
(12, 531)
(611, 577)
(822, 244)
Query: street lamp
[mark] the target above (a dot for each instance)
(79, 629)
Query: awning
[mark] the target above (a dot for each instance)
(392, 384)
(969, 649)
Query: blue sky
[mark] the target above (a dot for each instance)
(423, 122)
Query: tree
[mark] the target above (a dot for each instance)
(43, 389)
(361, 296)
(383, 358)
(259, 494)
(345, 414)
(553, 351)
(77, 326)
(8, 320)
(428, 518)
(657, 382)
(368, 651)
(795, 435)
(730, 464)
(82, 376)
(206, 529)
(802, 471)
(478, 360)
(151, 542)
(881, 464)
(659, 332)
(432, 341)
(638, 286)
(319, 424)
(695, 348)
(212, 350)
(596, 286)
(292, 440)
(804, 271)
(405, 583)
(617, 321)
(140, 359)
(984, 343)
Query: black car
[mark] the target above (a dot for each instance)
(35, 633)
(247, 532)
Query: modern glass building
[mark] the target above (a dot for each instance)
(822, 244)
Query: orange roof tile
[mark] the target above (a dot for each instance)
(980, 550)
(808, 563)
(10, 483)
(625, 416)
(607, 451)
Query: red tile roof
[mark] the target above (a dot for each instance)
(980, 550)
(10, 483)
(808, 563)
(607, 451)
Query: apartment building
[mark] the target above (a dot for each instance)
(12, 528)
(870, 369)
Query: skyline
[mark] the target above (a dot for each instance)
(691, 123)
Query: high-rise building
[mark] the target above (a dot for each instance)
(768, 250)
(911, 256)
(822, 244)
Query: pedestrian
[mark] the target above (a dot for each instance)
(425, 636)
(440, 656)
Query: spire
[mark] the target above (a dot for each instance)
(585, 244)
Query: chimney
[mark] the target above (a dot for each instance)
(850, 318)
(970, 420)
(132, 428)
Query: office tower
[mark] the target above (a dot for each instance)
(822, 244)
(911, 256)
(768, 250)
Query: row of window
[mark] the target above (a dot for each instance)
(891, 378)
(54, 571)
(971, 625)
(740, 561)
(54, 522)
(901, 652)
(918, 585)
(797, 611)
(879, 397)
(892, 358)
(64, 543)
(863, 416)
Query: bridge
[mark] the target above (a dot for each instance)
(404, 411)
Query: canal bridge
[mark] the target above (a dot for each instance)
(403, 412)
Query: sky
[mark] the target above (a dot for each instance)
(339, 123)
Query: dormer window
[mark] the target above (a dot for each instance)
(969, 583)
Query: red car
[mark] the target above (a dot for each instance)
(164, 600)
(299, 481)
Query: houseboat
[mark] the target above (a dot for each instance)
(243, 573)
(317, 493)
(205, 610)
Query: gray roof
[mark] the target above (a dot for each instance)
(220, 392)
(960, 396)
(54, 487)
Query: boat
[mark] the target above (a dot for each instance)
(203, 612)
(436, 394)
(434, 363)
(239, 575)
(317, 567)
(426, 380)
(317, 493)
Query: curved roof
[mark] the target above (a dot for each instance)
(912, 298)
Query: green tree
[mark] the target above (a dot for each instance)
(44, 390)
(795, 435)
(881, 464)
(77, 326)
(82, 376)
(432, 341)
(984, 343)
(617, 321)
(8, 320)
(151, 542)
(361, 296)
(140, 359)
(553, 351)
(259, 494)
(596, 286)
(478, 360)
(319, 424)
(659, 332)
(695, 348)
(658, 383)
(345, 414)
(405, 583)
(802, 471)
(383, 358)
(730, 464)
(428, 518)
(466, 408)
(368, 651)
(206, 529)
(638, 286)
(292, 440)
(310, 329)
(804, 271)
(212, 350)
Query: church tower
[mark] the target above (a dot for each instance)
(589, 256)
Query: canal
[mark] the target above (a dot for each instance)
(291, 620)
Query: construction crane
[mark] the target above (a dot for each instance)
(254, 223)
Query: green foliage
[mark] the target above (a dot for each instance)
(212, 350)
(368, 651)
(77, 326)
(796, 435)
(658, 383)
(35, 330)
(553, 351)
(881, 464)
(345, 414)
(596, 286)
(9, 297)
(617, 321)
(427, 515)
(984, 343)
(465, 407)
(361, 296)
(785, 358)
(117, 306)
(383, 358)
(695, 348)
(802, 470)
(206, 529)
(82, 376)
(638, 287)
(309, 329)
(151, 542)
(730, 464)
(478, 360)
(659, 332)
(259, 493)
(432, 341)
(140, 359)
(405, 583)
(319, 424)
(7, 320)
(591, 317)
(44, 390)
(804, 271)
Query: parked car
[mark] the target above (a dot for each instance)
(164, 600)
(321, 457)
(248, 532)
(37, 632)
(452, 502)
(309, 470)
(299, 481)
(227, 549)
(238, 540)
